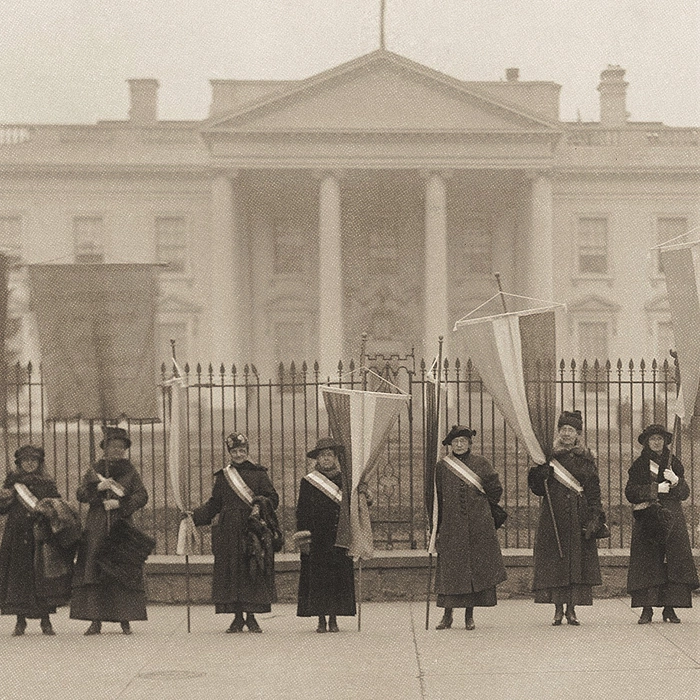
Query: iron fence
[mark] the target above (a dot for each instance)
(283, 416)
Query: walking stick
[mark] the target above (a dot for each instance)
(359, 597)
(554, 520)
(427, 594)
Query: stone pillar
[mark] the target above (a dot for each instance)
(539, 267)
(436, 322)
(230, 321)
(330, 276)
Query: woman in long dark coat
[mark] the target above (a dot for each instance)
(662, 571)
(22, 592)
(326, 581)
(244, 571)
(469, 561)
(567, 578)
(114, 491)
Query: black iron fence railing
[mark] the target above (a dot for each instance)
(284, 415)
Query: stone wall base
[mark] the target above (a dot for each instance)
(389, 576)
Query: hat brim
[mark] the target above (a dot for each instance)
(338, 449)
(645, 435)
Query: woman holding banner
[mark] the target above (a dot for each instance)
(469, 562)
(571, 517)
(25, 589)
(114, 491)
(661, 571)
(326, 581)
(244, 539)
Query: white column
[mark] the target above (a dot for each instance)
(330, 276)
(540, 253)
(436, 322)
(228, 276)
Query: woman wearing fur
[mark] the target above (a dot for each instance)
(23, 589)
(326, 581)
(469, 562)
(566, 578)
(661, 571)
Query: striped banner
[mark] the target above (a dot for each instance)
(515, 355)
(680, 266)
(361, 421)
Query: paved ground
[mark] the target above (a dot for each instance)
(513, 653)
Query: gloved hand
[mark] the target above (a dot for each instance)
(664, 487)
(111, 504)
(671, 477)
(184, 514)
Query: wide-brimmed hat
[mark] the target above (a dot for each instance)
(572, 418)
(29, 452)
(458, 431)
(110, 433)
(655, 429)
(325, 443)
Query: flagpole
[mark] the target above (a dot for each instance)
(437, 424)
(359, 597)
(546, 485)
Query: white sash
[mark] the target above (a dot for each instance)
(325, 485)
(653, 468)
(115, 486)
(240, 488)
(564, 477)
(464, 473)
(26, 497)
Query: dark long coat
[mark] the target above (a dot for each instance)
(573, 513)
(23, 590)
(469, 555)
(237, 584)
(647, 549)
(326, 580)
(95, 596)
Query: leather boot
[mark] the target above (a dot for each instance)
(645, 617)
(237, 625)
(558, 614)
(321, 624)
(446, 621)
(571, 616)
(669, 615)
(332, 624)
(46, 626)
(126, 627)
(252, 623)
(20, 626)
(469, 618)
(95, 628)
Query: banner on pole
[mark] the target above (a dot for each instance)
(97, 337)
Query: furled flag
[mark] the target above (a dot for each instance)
(515, 355)
(176, 430)
(361, 421)
(97, 336)
(435, 400)
(681, 266)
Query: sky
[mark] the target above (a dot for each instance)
(67, 61)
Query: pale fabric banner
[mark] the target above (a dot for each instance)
(362, 421)
(681, 267)
(97, 337)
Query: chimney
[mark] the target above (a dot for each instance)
(613, 91)
(512, 74)
(144, 101)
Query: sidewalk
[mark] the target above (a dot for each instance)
(513, 653)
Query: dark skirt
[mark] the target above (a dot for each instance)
(237, 607)
(674, 595)
(480, 599)
(326, 584)
(108, 602)
(578, 594)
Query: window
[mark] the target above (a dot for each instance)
(171, 243)
(593, 341)
(667, 229)
(479, 247)
(88, 239)
(289, 246)
(593, 246)
(11, 238)
(383, 250)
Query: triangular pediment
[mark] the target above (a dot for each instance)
(379, 92)
(593, 304)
